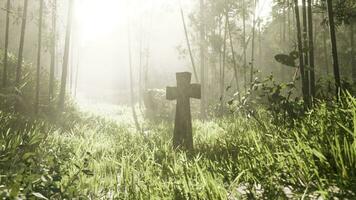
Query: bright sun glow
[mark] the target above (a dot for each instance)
(98, 18)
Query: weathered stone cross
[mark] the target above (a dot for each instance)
(183, 136)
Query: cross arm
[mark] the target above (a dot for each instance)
(195, 91)
(171, 93)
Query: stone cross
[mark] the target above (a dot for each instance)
(183, 136)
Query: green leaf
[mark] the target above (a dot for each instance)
(88, 172)
(39, 195)
(28, 155)
(319, 155)
(15, 189)
(285, 60)
(230, 102)
(294, 54)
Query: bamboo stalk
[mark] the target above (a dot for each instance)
(334, 47)
(7, 29)
(66, 57)
(53, 52)
(39, 48)
(134, 114)
(188, 44)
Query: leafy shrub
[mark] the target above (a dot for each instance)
(277, 98)
(24, 94)
(31, 167)
(157, 107)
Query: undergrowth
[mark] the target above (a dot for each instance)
(235, 157)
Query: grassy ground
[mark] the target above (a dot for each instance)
(235, 157)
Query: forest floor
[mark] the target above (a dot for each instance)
(235, 157)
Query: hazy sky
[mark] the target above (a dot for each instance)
(101, 35)
(101, 40)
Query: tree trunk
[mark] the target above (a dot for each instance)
(62, 93)
(134, 114)
(260, 54)
(305, 51)
(325, 49)
(352, 53)
(22, 43)
(140, 71)
(222, 78)
(311, 49)
(76, 78)
(334, 47)
(253, 44)
(244, 43)
(284, 22)
(71, 65)
(220, 24)
(289, 22)
(300, 49)
(7, 29)
(76, 71)
(233, 58)
(53, 51)
(188, 44)
(39, 48)
(202, 59)
(145, 78)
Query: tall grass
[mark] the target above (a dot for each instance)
(235, 157)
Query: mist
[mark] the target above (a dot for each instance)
(156, 33)
(177, 99)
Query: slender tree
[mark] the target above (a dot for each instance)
(311, 49)
(39, 49)
(352, 52)
(188, 44)
(72, 64)
(77, 71)
(253, 43)
(233, 57)
(244, 43)
(140, 71)
(222, 77)
(300, 50)
(284, 21)
(289, 21)
(202, 58)
(134, 114)
(334, 46)
(305, 51)
(220, 24)
(66, 56)
(260, 54)
(22, 43)
(146, 68)
(53, 51)
(7, 30)
(325, 48)
(147, 52)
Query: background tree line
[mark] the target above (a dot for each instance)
(35, 54)
(305, 41)
(229, 46)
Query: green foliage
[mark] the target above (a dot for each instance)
(288, 60)
(235, 157)
(24, 94)
(277, 98)
(157, 107)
